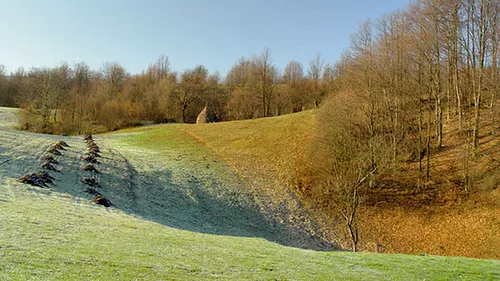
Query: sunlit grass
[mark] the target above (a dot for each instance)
(265, 147)
(49, 235)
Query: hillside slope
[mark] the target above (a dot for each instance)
(161, 175)
(395, 220)
(48, 236)
(179, 214)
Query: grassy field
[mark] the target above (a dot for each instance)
(52, 237)
(180, 213)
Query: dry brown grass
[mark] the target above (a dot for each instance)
(263, 149)
(462, 231)
(441, 220)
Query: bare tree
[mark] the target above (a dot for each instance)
(293, 72)
(192, 86)
(62, 76)
(316, 68)
(42, 92)
(340, 158)
(264, 75)
(293, 78)
(114, 78)
(15, 87)
(3, 87)
(239, 75)
(82, 78)
(494, 43)
(160, 69)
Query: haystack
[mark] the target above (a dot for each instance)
(203, 117)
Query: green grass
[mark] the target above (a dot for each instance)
(51, 237)
(8, 116)
(56, 234)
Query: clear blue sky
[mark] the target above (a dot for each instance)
(215, 33)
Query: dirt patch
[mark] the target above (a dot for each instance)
(34, 180)
(49, 159)
(54, 151)
(90, 181)
(101, 200)
(90, 168)
(89, 159)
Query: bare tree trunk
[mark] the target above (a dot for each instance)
(478, 76)
(448, 90)
(439, 122)
(428, 161)
(264, 107)
(350, 214)
(454, 56)
(477, 114)
(372, 139)
(394, 136)
(437, 88)
(459, 99)
(420, 128)
(351, 220)
(420, 152)
(492, 112)
(466, 170)
(494, 62)
(184, 113)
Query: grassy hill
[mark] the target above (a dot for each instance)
(180, 213)
(396, 219)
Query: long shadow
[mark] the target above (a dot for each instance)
(190, 203)
(156, 196)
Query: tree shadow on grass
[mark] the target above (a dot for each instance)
(158, 197)
(203, 204)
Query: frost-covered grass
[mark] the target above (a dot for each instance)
(180, 214)
(8, 116)
(49, 236)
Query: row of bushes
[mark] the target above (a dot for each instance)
(112, 115)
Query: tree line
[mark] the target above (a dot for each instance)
(403, 78)
(75, 99)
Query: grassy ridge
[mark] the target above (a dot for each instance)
(219, 201)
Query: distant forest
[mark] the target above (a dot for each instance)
(69, 98)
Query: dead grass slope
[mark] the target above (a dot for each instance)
(440, 220)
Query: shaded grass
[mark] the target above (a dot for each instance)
(265, 152)
(217, 197)
(56, 238)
